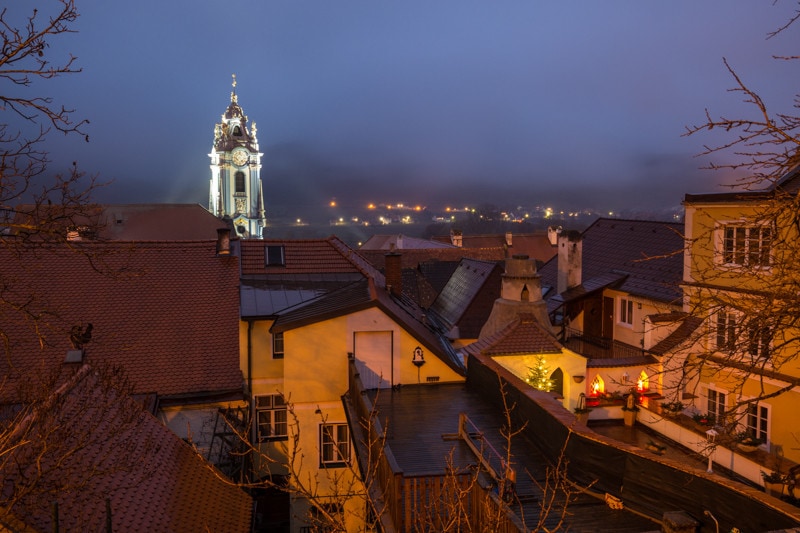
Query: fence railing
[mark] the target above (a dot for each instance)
(599, 347)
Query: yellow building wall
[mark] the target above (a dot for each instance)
(313, 376)
(570, 363)
(701, 265)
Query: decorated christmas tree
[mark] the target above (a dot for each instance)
(539, 375)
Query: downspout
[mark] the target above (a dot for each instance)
(250, 322)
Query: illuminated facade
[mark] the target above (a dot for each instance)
(235, 189)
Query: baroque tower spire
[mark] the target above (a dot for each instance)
(236, 191)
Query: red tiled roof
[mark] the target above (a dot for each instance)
(413, 258)
(152, 479)
(535, 245)
(166, 312)
(158, 222)
(300, 257)
(523, 336)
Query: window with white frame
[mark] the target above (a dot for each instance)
(271, 422)
(277, 345)
(717, 404)
(756, 420)
(746, 245)
(626, 311)
(334, 445)
(725, 329)
(732, 333)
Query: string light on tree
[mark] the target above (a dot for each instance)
(539, 375)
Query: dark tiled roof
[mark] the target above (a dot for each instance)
(683, 332)
(347, 299)
(268, 297)
(649, 253)
(455, 305)
(153, 480)
(438, 272)
(523, 336)
(167, 313)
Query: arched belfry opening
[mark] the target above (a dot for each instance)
(525, 296)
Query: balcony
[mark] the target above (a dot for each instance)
(599, 347)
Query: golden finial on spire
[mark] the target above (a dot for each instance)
(233, 92)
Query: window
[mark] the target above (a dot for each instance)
(757, 420)
(744, 245)
(626, 311)
(271, 417)
(757, 338)
(334, 447)
(716, 405)
(725, 330)
(277, 345)
(239, 178)
(274, 256)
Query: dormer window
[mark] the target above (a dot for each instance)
(273, 256)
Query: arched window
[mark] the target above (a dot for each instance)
(237, 131)
(526, 295)
(557, 377)
(643, 383)
(598, 386)
(240, 182)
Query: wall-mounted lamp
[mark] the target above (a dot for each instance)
(419, 358)
(578, 379)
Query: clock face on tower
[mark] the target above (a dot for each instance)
(240, 157)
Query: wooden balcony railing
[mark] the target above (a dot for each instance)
(599, 347)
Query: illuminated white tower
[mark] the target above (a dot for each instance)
(236, 190)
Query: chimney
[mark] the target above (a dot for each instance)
(223, 241)
(456, 238)
(552, 234)
(570, 260)
(393, 267)
(508, 239)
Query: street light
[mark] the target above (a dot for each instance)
(711, 437)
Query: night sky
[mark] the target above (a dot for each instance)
(572, 102)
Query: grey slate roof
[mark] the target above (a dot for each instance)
(455, 300)
(648, 254)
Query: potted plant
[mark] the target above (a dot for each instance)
(704, 419)
(746, 442)
(582, 413)
(774, 482)
(671, 409)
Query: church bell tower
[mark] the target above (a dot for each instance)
(236, 190)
